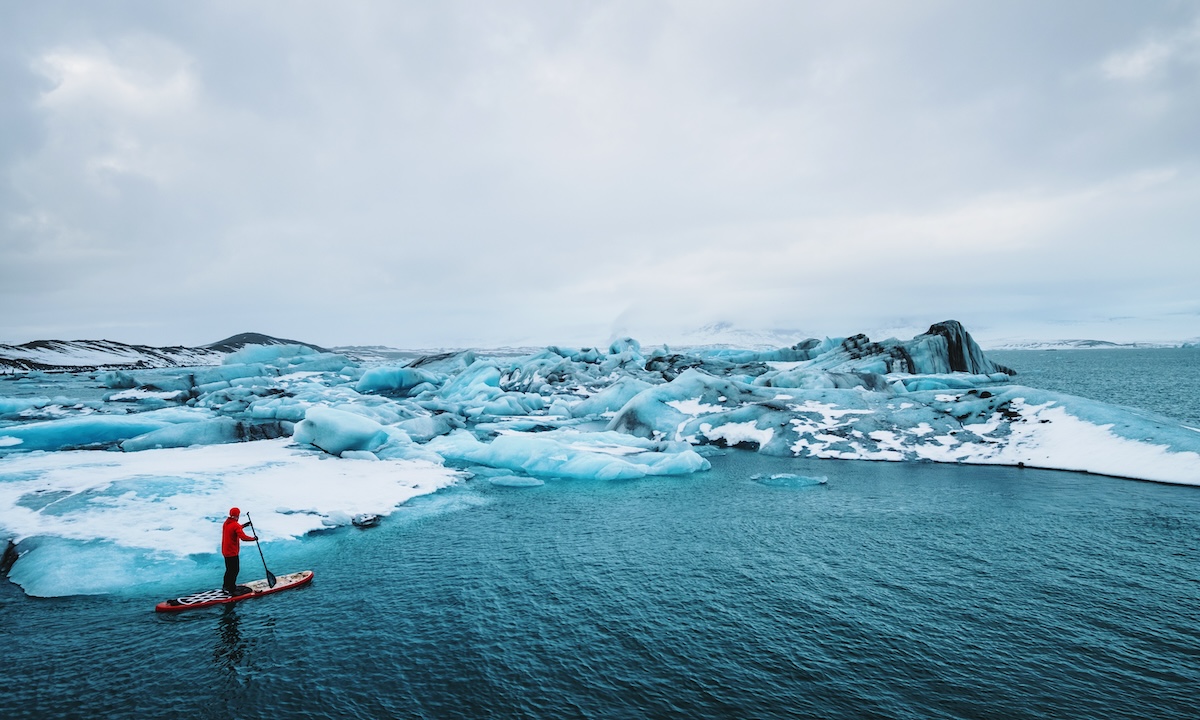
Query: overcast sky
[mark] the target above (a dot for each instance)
(422, 174)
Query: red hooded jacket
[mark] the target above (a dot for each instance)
(231, 531)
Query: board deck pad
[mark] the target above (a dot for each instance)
(209, 598)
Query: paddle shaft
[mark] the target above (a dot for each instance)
(270, 578)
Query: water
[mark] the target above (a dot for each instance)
(1164, 380)
(891, 591)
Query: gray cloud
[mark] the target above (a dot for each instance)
(462, 173)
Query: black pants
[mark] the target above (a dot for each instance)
(232, 565)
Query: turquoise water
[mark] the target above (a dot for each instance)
(891, 591)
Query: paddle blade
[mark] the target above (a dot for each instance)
(271, 579)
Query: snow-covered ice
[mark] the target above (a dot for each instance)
(111, 477)
(91, 522)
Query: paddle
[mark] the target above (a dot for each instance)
(270, 578)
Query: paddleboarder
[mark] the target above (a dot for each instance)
(231, 535)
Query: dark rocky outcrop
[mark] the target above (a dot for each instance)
(241, 340)
(963, 353)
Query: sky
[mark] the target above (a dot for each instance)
(455, 174)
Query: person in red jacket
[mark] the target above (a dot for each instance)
(231, 534)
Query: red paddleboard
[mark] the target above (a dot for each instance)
(209, 598)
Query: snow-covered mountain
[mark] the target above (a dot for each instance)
(727, 335)
(87, 355)
(1081, 345)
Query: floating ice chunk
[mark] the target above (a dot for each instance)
(601, 456)
(948, 382)
(508, 404)
(76, 432)
(211, 387)
(448, 363)
(117, 380)
(400, 447)
(336, 431)
(226, 373)
(515, 481)
(87, 522)
(209, 432)
(788, 480)
(138, 394)
(802, 351)
(319, 363)
(476, 384)
(15, 406)
(54, 566)
(812, 380)
(504, 478)
(651, 414)
(559, 408)
(266, 354)
(625, 345)
(588, 355)
(425, 428)
(538, 373)
(395, 380)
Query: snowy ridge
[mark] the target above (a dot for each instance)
(78, 355)
(1084, 345)
(313, 437)
(83, 355)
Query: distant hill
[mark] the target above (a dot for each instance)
(241, 340)
(91, 355)
(1077, 345)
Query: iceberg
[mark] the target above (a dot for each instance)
(88, 431)
(572, 454)
(936, 397)
(788, 480)
(314, 437)
(336, 431)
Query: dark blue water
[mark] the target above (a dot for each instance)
(899, 591)
(892, 591)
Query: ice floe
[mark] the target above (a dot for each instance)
(144, 463)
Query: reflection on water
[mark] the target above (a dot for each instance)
(230, 647)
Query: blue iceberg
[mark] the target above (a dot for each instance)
(315, 437)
